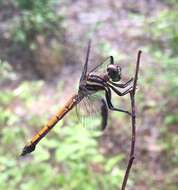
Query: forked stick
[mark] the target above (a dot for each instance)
(132, 100)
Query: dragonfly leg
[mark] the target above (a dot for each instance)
(105, 87)
(119, 92)
(110, 105)
(123, 85)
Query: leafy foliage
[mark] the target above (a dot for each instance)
(37, 17)
(164, 32)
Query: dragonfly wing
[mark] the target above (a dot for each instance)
(101, 68)
(85, 67)
(104, 114)
(92, 112)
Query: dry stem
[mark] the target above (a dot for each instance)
(132, 99)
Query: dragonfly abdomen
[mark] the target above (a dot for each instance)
(51, 123)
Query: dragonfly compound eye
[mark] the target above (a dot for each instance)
(114, 72)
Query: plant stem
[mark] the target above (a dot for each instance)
(132, 99)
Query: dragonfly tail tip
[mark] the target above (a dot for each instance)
(27, 149)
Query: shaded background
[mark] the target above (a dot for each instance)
(42, 50)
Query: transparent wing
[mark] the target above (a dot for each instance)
(85, 67)
(101, 68)
(92, 112)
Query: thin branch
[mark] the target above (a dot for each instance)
(132, 99)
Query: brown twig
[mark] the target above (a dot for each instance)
(132, 99)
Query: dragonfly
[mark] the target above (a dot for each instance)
(89, 84)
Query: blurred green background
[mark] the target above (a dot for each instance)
(42, 50)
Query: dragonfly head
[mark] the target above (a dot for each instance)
(114, 72)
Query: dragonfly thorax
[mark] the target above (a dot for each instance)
(114, 72)
(83, 91)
